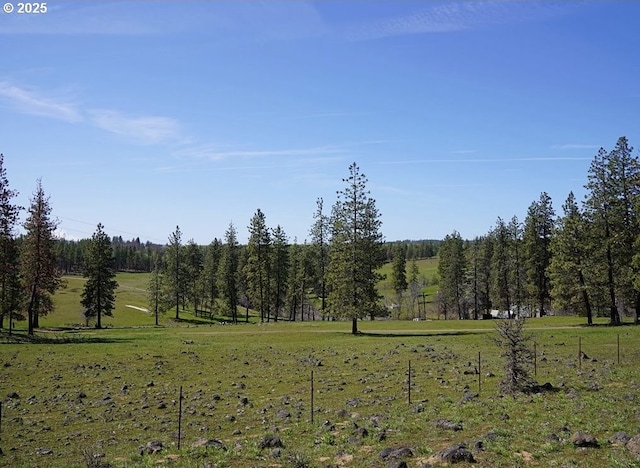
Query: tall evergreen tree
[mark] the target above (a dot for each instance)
(156, 291)
(414, 284)
(452, 269)
(538, 232)
(320, 232)
(194, 260)
(613, 192)
(569, 262)
(210, 272)
(257, 267)
(9, 259)
(98, 295)
(355, 251)
(279, 269)
(515, 258)
(485, 256)
(399, 274)
(473, 274)
(40, 273)
(174, 267)
(501, 268)
(228, 272)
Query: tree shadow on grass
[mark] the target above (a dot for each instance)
(433, 333)
(24, 338)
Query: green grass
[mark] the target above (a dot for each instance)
(271, 366)
(131, 374)
(428, 268)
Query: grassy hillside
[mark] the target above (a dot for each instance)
(132, 289)
(428, 280)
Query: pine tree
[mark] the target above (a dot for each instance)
(355, 252)
(485, 255)
(414, 284)
(39, 264)
(257, 268)
(228, 272)
(320, 231)
(399, 274)
(569, 260)
(156, 291)
(98, 295)
(279, 269)
(501, 268)
(194, 260)
(9, 259)
(538, 232)
(210, 272)
(452, 269)
(610, 208)
(174, 267)
(518, 276)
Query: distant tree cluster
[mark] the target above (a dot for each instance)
(585, 261)
(332, 276)
(129, 255)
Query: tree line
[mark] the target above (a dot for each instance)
(29, 263)
(584, 261)
(334, 275)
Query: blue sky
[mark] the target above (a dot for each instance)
(146, 115)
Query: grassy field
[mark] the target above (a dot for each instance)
(81, 397)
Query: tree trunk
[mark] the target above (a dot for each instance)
(354, 326)
(30, 309)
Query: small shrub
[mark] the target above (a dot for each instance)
(517, 355)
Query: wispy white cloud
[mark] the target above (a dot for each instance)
(445, 17)
(147, 130)
(213, 153)
(30, 102)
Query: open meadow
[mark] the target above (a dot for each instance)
(86, 397)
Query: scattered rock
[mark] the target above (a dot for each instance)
(283, 414)
(271, 441)
(633, 446)
(582, 439)
(467, 397)
(151, 448)
(553, 438)
(419, 408)
(44, 451)
(361, 432)
(390, 453)
(353, 402)
(397, 464)
(210, 444)
(328, 426)
(620, 438)
(13, 396)
(455, 454)
(449, 425)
